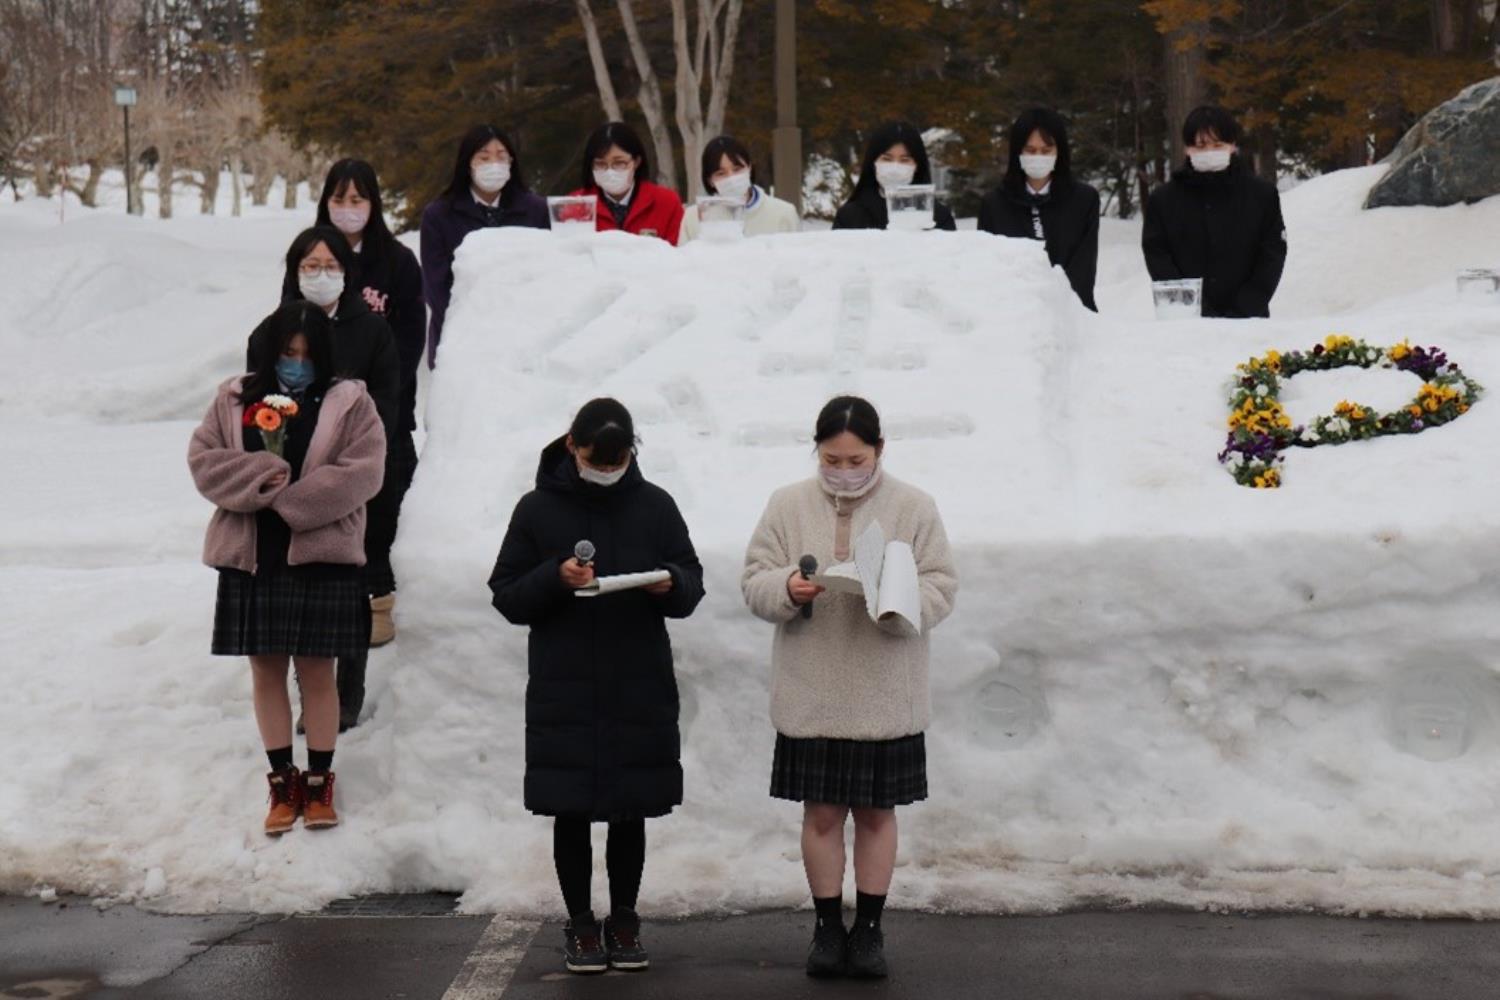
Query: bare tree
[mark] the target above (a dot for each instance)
(710, 59)
(606, 86)
(649, 96)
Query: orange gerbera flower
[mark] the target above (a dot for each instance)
(268, 420)
(289, 410)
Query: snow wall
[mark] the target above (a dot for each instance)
(1158, 685)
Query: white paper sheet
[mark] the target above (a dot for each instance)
(884, 574)
(625, 581)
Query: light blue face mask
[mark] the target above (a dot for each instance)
(295, 374)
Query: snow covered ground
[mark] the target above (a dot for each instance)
(1159, 687)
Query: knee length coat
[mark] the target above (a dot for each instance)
(601, 695)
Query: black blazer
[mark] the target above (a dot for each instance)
(1069, 215)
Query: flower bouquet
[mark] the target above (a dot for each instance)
(271, 416)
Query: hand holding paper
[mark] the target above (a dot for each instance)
(885, 574)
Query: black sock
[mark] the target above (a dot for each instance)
(625, 860)
(867, 909)
(830, 910)
(573, 854)
(281, 759)
(319, 760)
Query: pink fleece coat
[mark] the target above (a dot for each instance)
(325, 507)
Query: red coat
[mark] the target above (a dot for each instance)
(654, 211)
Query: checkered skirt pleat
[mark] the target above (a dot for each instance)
(291, 613)
(862, 774)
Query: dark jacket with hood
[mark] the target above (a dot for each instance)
(601, 699)
(867, 210)
(389, 282)
(363, 348)
(1225, 228)
(1069, 218)
(445, 223)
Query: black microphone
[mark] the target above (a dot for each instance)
(807, 566)
(584, 552)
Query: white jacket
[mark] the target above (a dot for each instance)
(766, 217)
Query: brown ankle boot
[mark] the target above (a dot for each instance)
(382, 621)
(286, 801)
(317, 800)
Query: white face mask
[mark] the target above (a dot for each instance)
(894, 174)
(1211, 161)
(614, 182)
(599, 477)
(1038, 166)
(736, 185)
(322, 290)
(490, 177)
(350, 221)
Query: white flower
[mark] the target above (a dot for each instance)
(1262, 390)
(1460, 388)
(1371, 355)
(277, 401)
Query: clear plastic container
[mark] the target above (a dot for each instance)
(910, 207)
(1178, 299)
(720, 220)
(1478, 283)
(573, 214)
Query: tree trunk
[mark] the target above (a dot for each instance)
(166, 176)
(43, 178)
(135, 189)
(650, 98)
(90, 193)
(261, 179)
(607, 98)
(210, 190)
(1263, 145)
(236, 182)
(711, 59)
(289, 198)
(1445, 26)
(1185, 84)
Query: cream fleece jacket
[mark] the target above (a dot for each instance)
(838, 674)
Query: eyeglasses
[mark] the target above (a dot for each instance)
(313, 270)
(613, 164)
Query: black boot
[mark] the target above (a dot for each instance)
(622, 941)
(828, 954)
(351, 684)
(867, 952)
(583, 951)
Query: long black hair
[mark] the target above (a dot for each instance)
(886, 136)
(473, 141)
(271, 338)
(338, 245)
(713, 156)
(1055, 130)
(377, 237)
(854, 414)
(613, 134)
(606, 426)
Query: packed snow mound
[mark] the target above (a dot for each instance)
(1158, 687)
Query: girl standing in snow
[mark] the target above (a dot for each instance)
(616, 169)
(488, 189)
(895, 156)
(323, 269)
(601, 700)
(728, 172)
(288, 540)
(849, 696)
(1040, 200)
(390, 281)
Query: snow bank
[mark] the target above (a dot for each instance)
(1158, 687)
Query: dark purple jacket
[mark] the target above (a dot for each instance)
(445, 223)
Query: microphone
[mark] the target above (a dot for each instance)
(807, 566)
(584, 552)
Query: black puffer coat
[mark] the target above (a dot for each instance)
(1069, 217)
(601, 699)
(1225, 228)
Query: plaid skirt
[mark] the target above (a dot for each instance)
(304, 611)
(862, 774)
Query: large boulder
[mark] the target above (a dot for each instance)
(1449, 156)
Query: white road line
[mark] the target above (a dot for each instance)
(487, 970)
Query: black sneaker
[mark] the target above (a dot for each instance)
(830, 945)
(622, 942)
(584, 951)
(867, 952)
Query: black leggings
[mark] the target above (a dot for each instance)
(624, 858)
